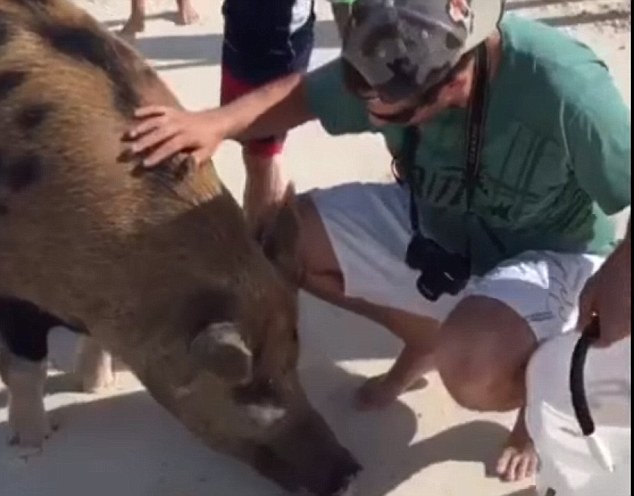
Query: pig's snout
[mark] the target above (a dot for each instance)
(343, 479)
(308, 457)
(327, 477)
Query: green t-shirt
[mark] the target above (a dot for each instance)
(556, 156)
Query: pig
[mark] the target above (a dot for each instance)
(154, 266)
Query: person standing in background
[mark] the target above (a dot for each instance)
(264, 40)
(136, 22)
(341, 13)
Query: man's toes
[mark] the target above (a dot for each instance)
(523, 467)
(511, 473)
(375, 394)
(505, 460)
(529, 465)
(533, 466)
(515, 465)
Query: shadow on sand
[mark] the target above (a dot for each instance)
(102, 439)
(525, 492)
(195, 50)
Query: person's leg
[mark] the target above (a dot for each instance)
(481, 357)
(353, 240)
(265, 181)
(252, 57)
(136, 21)
(323, 278)
(186, 12)
(265, 178)
(487, 341)
(341, 14)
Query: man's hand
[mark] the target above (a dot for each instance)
(163, 132)
(609, 295)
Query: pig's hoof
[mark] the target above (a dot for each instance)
(31, 438)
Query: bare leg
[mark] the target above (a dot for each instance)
(186, 12)
(265, 184)
(323, 278)
(25, 381)
(94, 368)
(481, 350)
(482, 354)
(136, 22)
(341, 13)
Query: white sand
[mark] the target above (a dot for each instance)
(123, 444)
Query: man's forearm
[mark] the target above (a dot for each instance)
(270, 110)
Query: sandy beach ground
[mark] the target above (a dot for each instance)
(123, 444)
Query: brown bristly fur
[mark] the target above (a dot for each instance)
(147, 261)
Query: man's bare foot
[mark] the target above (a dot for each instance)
(379, 392)
(135, 24)
(519, 459)
(376, 394)
(186, 13)
(405, 374)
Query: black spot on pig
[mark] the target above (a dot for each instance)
(3, 172)
(9, 82)
(87, 45)
(32, 116)
(4, 30)
(21, 173)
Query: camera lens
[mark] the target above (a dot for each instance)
(428, 291)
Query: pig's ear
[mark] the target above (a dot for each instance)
(278, 233)
(219, 348)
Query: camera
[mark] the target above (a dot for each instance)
(441, 272)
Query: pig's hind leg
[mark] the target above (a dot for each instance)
(94, 366)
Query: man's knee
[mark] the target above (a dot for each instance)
(321, 274)
(467, 374)
(315, 249)
(482, 353)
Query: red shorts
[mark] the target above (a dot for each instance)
(232, 88)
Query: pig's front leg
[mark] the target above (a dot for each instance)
(24, 331)
(25, 380)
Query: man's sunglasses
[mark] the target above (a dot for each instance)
(356, 84)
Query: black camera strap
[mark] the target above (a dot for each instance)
(476, 122)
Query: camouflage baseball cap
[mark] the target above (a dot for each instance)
(405, 47)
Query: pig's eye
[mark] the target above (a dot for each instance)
(262, 402)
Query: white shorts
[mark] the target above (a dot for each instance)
(369, 229)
